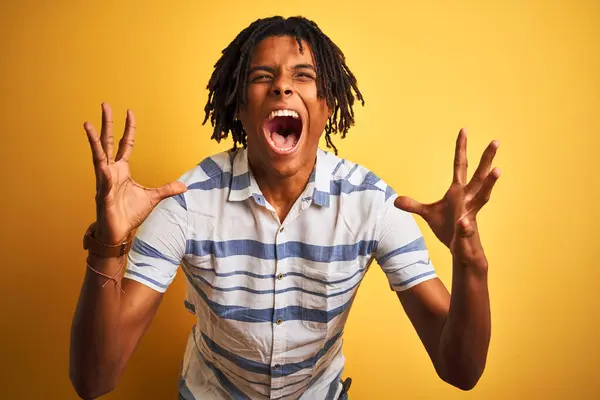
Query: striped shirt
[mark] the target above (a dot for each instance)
(272, 297)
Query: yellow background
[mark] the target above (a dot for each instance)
(526, 73)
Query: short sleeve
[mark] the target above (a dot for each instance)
(401, 251)
(159, 245)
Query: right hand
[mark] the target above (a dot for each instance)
(121, 203)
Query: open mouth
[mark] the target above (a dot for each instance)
(283, 129)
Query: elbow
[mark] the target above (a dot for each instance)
(90, 387)
(465, 384)
(461, 378)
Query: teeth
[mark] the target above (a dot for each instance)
(284, 113)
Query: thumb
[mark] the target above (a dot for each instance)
(170, 189)
(409, 204)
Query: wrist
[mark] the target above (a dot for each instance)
(98, 246)
(103, 235)
(475, 267)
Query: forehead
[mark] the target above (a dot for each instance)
(278, 50)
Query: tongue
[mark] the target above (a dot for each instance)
(283, 142)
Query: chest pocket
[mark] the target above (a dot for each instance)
(327, 293)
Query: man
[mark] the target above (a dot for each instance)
(274, 238)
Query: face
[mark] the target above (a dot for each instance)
(283, 116)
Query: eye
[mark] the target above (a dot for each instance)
(305, 76)
(260, 78)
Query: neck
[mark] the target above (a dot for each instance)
(282, 191)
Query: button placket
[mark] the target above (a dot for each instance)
(278, 347)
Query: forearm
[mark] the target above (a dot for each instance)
(95, 333)
(465, 337)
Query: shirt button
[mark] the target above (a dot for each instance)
(281, 230)
(279, 321)
(280, 276)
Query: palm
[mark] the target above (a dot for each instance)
(453, 217)
(121, 204)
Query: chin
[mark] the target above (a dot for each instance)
(285, 168)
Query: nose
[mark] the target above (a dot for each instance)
(282, 88)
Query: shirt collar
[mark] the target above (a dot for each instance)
(243, 184)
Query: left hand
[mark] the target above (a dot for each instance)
(453, 218)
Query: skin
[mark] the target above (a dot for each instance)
(110, 319)
(282, 77)
(455, 329)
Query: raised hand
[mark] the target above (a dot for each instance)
(121, 203)
(453, 218)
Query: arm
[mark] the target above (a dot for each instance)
(455, 330)
(107, 327)
(109, 323)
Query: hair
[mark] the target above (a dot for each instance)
(227, 85)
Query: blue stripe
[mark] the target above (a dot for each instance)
(236, 393)
(237, 375)
(146, 278)
(276, 292)
(144, 249)
(266, 369)
(289, 369)
(241, 362)
(321, 198)
(313, 380)
(414, 278)
(181, 200)
(189, 306)
(232, 273)
(337, 167)
(370, 179)
(334, 387)
(389, 192)
(351, 172)
(342, 186)
(252, 315)
(240, 182)
(324, 281)
(272, 276)
(270, 251)
(184, 391)
(220, 181)
(415, 245)
(210, 167)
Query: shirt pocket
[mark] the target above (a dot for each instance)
(327, 293)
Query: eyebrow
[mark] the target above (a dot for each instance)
(305, 66)
(272, 70)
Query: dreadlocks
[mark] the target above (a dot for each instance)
(227, 85)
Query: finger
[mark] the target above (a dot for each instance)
(485, 192)
(460, 158)
(410, 205)
(169, 190)
(98, 155)
(106, 136)
(484, 167)
(127, 141)
(99, 158)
